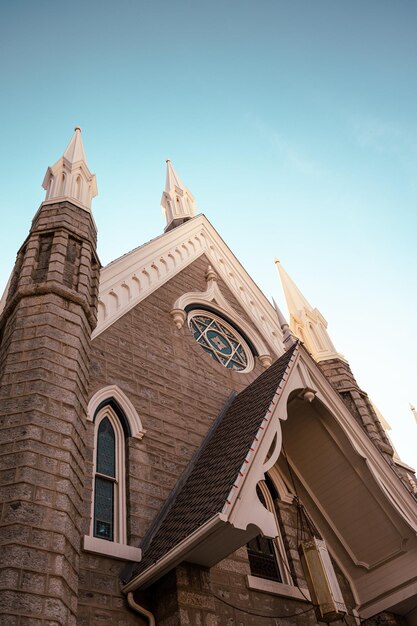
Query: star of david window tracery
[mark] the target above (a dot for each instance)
(220, 341)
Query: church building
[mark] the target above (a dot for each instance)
(174, 452)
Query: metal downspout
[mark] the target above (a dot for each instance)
(136, 607)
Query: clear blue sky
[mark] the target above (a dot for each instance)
(293, 123)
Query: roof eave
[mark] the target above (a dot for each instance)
(180, 553)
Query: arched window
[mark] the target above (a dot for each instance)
(105, 481)
(267, 557)
(109, 489)
(115, 420)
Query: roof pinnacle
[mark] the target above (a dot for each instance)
(177, 200)
(307, 323)
(70, 179)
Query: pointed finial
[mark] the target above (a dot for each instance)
(70, 179)
(177, 200)
(211, 274)
(307, 323)
(295, 299)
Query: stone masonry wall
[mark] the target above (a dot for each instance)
(178, 390)
(44, 368)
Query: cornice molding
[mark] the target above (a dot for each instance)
(124, 283)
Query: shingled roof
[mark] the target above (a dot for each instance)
(207, 485)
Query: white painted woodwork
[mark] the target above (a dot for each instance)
(130, 279)
(70, 179)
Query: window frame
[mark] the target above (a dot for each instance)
(119, 482)
(238, 335)
(278, 542)
(281, 558)
(112, 403)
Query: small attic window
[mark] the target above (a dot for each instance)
(221, 341)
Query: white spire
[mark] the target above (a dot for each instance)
(70, 179)
(414, 411)
(288, 337)
(177, 200)
(307, 323)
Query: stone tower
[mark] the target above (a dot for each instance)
(45, 331)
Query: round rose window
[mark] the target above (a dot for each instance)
(221, 341)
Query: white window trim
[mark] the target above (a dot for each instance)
(277, 589)
(119, 494)
(280, 552)
(117, 548)
(114, 392)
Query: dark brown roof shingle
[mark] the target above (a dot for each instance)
(216, 467)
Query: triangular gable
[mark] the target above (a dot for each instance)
(218, 509)
(209, 494)
(130, 279)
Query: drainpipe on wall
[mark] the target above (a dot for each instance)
(136, 607)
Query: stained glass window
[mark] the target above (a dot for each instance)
(106, 449)
(219, 340)
(105, 481)
(103, 508)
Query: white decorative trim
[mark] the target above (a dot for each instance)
(278, 543)
(113, 391)
(277, 589)
(221, 305)
(243, 506)
(177, 201)
(70, 179)
(285, 494)
(387, 480)
(130, 279)
(112, 549)
(135, 424)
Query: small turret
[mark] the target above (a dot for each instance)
(70, 179)
(177, 201)
(307, 323)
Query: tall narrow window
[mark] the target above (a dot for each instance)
(105, 481)
(262, 559)
(115, 421)
(109, 489)
(267, 557)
